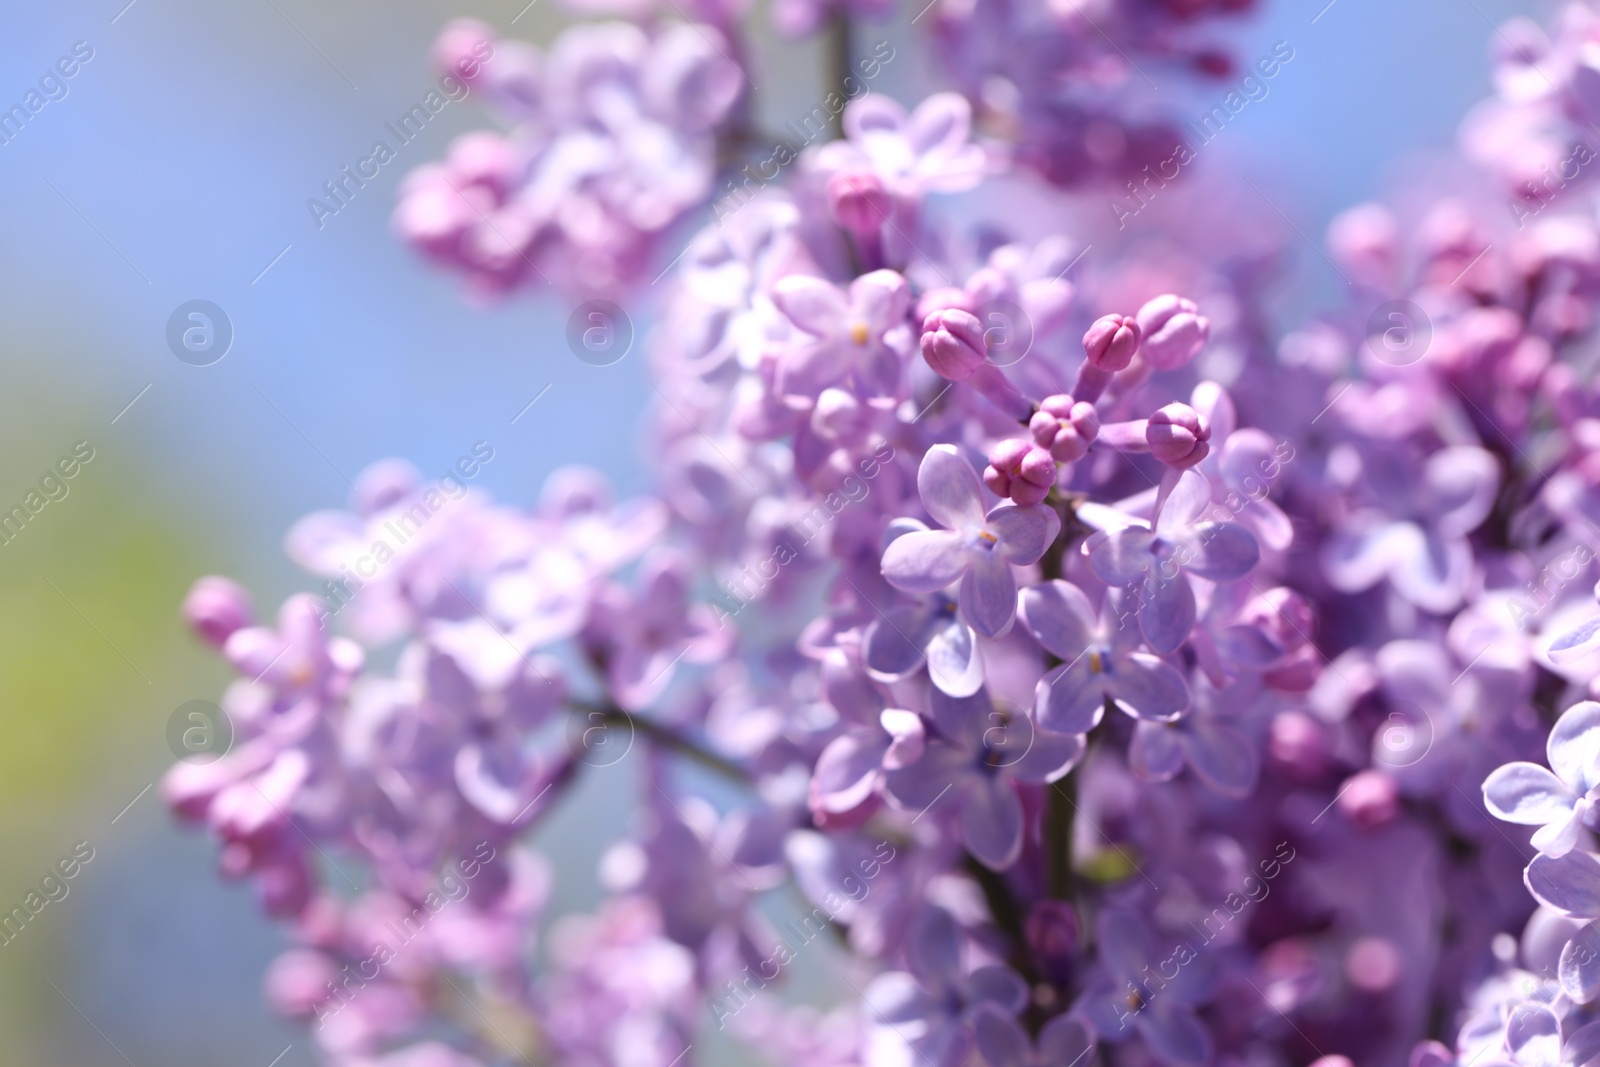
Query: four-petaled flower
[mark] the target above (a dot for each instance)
(976, 548)
(1100, 663)
(1561, 800)
(1154, 562)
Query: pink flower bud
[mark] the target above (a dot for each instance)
(1111, 342)
(296, 983)
(483, 157)
(1369, 798)
(1065, 427)
(215, 608)
(859, 202)
(1365, 242)
(1177, 435)
(463, 46)
(1020, 470)
(952, 343)
(1174, 331)
(1299, 745)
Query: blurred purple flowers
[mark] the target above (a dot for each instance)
(930, 498)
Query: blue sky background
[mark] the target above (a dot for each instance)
(178, 168)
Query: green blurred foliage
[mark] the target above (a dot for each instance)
(94, 577)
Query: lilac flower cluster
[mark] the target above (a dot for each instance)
(1125, 681)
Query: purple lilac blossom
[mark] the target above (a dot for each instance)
(1337, 580)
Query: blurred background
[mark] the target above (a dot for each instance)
(178, 167)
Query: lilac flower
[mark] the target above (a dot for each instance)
(977, 754)
(878, 739)
(926, 151)
(976, 548)
(1157, 561)
(1100, 663)
(645, 635)
(1207, 740)
(861, 338)
(1561, 800)
(615, 142)
(1063, 1040)
(1124, 999)
(929, 632)
(927, 1015)
(1423, 551)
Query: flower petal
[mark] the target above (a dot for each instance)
(988, 594)
(847, 772)
(991, 821)
(1059, 617)
(1065, 1040)
(1174, 1034)
(1148, 688)
(882, 298)
(1533, 1034)
(1049, 757)
(1024, 532)
(1357, 558)
(816, 306)
(890, 649)
(1435, 574)
(1569, 884)
(1577, 643)
(1155, 753)
(1126, 945)
(1000, 1039)
(926, 561)
(1222, 758)
(1122, 556)
(954, 663)
(1221, 551)
(1574, 745)
(906, 729)
(1070, 699)
(1168, 612)
(1526, 793)
(1580, 967)
(950, 489)
(1461, 484)
(1188, 500)
(997, 986)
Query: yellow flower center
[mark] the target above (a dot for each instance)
(858, 332)
(1096, 665)
(988, 538)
